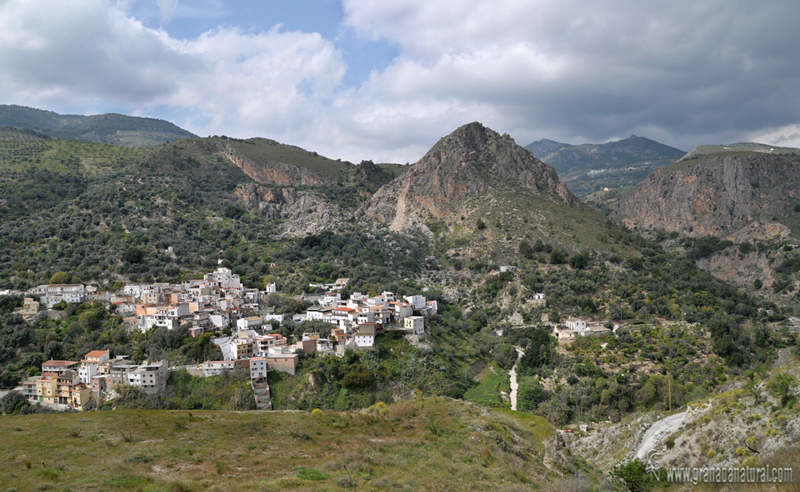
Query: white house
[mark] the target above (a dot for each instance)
(576, 324)
(416, 301)
(416, 324)
(69, 293)
(258, 367)
(220, 320)
(365, 336)
(152, 378)
(330, 298)
(249, 323)
(402, 310)
(88, 368)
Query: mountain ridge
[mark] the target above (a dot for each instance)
(613, 166)
(111, 128)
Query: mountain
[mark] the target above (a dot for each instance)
(471, 161)
(738, 147)
(116, 129)
(741, 208)
(732, 195)
(589, 168)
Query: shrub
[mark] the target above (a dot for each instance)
(401, 410)
(310, 474)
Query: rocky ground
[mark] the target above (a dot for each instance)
(739, 427)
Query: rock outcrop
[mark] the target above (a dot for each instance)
(471, 161)
(279, 173)
(299, 212)
(752, 196)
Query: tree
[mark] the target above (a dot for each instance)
(579, 261)
(538, 351)
(558, 256)
(59, 278)
(480, 225)
(133, 256)
(783, 387)
(634, 475)
(505, 355)
(530, 394)
(13, 402)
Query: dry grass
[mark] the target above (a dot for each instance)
(431, 444)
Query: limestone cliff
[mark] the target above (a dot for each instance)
(272, 172)
(471, 161)
(739, 196)
(296, 212)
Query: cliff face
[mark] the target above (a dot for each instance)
(298, 212)
(742, 196)
(279, 173)
(471, 161)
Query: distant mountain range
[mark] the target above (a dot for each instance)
(116, 129)
(619, 165)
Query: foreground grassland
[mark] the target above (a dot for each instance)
(426, 444)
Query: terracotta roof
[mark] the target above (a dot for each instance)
(96, 353)
(60, 363)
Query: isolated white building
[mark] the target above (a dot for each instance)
(416, 324)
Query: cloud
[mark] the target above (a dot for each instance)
(786, 136)
(167, 8)
(92, 53)
(684, 72)
(592, 71)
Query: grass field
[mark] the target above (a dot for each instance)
(425, 444)
(491, 382)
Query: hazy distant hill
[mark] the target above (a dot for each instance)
(739, 147)
(116, 129)
(589, 168)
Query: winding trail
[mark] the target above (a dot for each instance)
(659, 430)
(514, 384)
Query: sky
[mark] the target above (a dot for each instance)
(383, 80)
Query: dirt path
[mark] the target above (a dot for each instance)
(658, 431)
(514, 384)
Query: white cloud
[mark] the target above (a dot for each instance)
(786, 136)
(91, 53)
(167, 8)
(590, 71)
(683, 72)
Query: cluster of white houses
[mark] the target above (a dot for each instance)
(357, 321)
(211, 303)
(219, 301)
(76, 383)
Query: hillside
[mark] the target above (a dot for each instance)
(742, 210)
(116, 129)
(754, 423)
(619, 165)
(425, 444)
(733, 195)
(478, 194)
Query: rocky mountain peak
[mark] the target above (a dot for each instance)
(471, 161)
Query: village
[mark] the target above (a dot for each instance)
(246, 328)
(218, 303)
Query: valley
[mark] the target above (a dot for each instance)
(532, 313)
